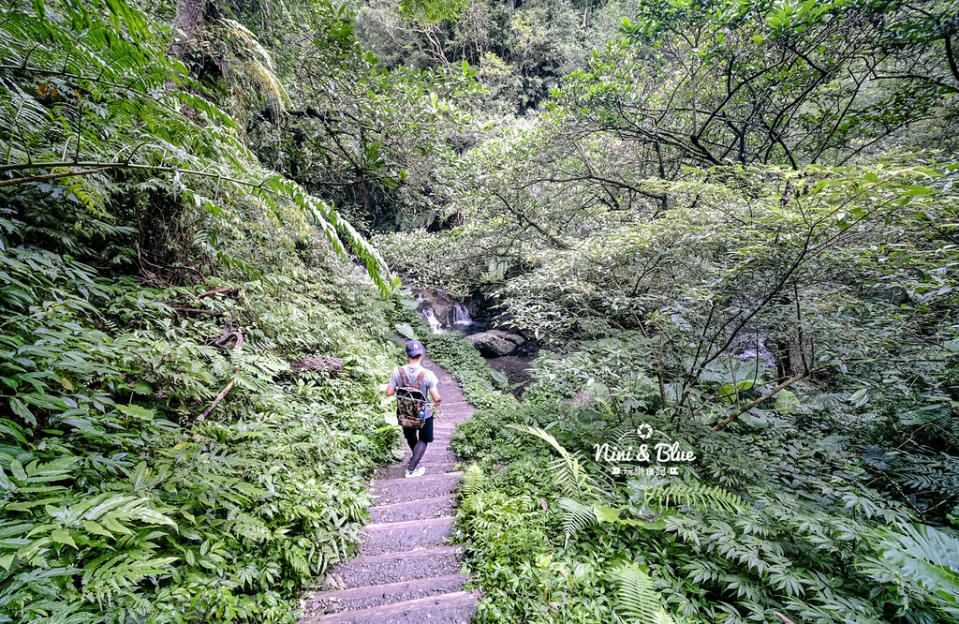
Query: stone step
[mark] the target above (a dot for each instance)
(452, 417)
(397, 471)
(419, 509)
(394, 567)
(452, 608)
(434, 455)
(437, 453)
(323, 603)
(454, 407)
(440, 439)
(388, 537)
(400, 490)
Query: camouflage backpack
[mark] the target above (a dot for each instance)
(410, 400)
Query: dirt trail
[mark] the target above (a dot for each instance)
(407, 571)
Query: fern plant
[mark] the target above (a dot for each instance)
(472, 481)
(925, 556)
(637, 600)
(568, 472)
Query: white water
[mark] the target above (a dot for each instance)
(461, 315)
(430, 317)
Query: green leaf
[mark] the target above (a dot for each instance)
(62, 536)
(20, 409)
(137, 412)
(96, 529)
(18, 472)
(859, 397)
(786, 402)
(405, 330)
(498, 376)
(605, 513)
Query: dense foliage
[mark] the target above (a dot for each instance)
(162, 459)
(549, 539)
(733, 221)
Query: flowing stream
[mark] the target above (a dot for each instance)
(444, 314)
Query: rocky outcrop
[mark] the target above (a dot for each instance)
(318, 364)
(496, 342)
(442, 311)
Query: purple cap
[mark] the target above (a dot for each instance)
(415, 348)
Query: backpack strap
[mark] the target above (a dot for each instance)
(419, 378)
(403, 377)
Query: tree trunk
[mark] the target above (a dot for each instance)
(190, 17)
(798, 351)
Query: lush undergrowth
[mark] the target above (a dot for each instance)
(161, 458)
(737, 536)
(121, 502)
(735, 224)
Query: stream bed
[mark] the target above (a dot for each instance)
(471, 318)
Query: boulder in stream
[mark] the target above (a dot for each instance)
(496, 342)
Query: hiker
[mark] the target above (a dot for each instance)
(418, 431)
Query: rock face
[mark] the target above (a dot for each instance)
(317, 363)
(442, 311)
(496, 342)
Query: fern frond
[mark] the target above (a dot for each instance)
(334, 227)
(693, 495)
(568, 473)
(472, 480)
(927, 556)
(576, 516)
(636, 598)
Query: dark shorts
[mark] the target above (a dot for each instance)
(425, 434)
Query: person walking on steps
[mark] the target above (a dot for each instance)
(416, 392)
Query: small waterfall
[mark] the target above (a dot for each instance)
(430, 317)
(461, 315)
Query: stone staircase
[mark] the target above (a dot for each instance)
(406, 571)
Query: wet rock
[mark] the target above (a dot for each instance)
(442, 311)
(516, 339)
(491, 345)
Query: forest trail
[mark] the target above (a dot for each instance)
(406, 571)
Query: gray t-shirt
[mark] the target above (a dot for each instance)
(412, 372)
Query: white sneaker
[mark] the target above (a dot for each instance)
(416, 473)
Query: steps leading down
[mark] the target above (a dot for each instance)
(406, 571)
